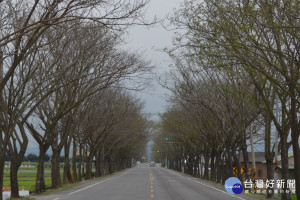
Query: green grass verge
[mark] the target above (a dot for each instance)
(22, 198)
(293, 196)
(72, 185)
(26, 178)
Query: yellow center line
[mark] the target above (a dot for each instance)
(151, 181)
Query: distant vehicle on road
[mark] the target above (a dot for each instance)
(152, 164)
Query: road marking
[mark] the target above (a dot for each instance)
(207, 185)
(56, 199)
(151, 181)
(219, 190)
(89, 186)
(98, 183)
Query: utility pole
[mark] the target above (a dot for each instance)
(275, 195)
(253, 154)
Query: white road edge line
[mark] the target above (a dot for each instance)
(207, 186)
(219, 190)
(56, 199)
(96, 183)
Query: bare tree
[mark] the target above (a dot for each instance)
(24, 25)
(85, 67)
(32, 19)
(260, 37)
(19, 101)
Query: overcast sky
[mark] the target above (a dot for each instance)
(151, 41)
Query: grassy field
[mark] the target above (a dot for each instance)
(26, 178)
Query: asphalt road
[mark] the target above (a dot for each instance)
(145, 183)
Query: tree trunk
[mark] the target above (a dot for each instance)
(206, 164)
(171, 163)
(98, 171)
(295, 141)
(102, 166)
(110, 165)
(119, 164)
(40, 185)
(189, 165)
(285, 165)
(178, 164)
(74, 157)
(270, 174)
(67, 177)
(218, 156)
(80, 163)
(84, 162)
(2, 164)
(106, 165)
(195, 168)
(14, 167)
(66, 166)
(55, 169)
(89, 164)
(16, 153)
(296, 150)
(212, 165)
(238, 165)
(201, 167)
(224, 174)
(269, 155)
(229, 163)
(246, 158)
